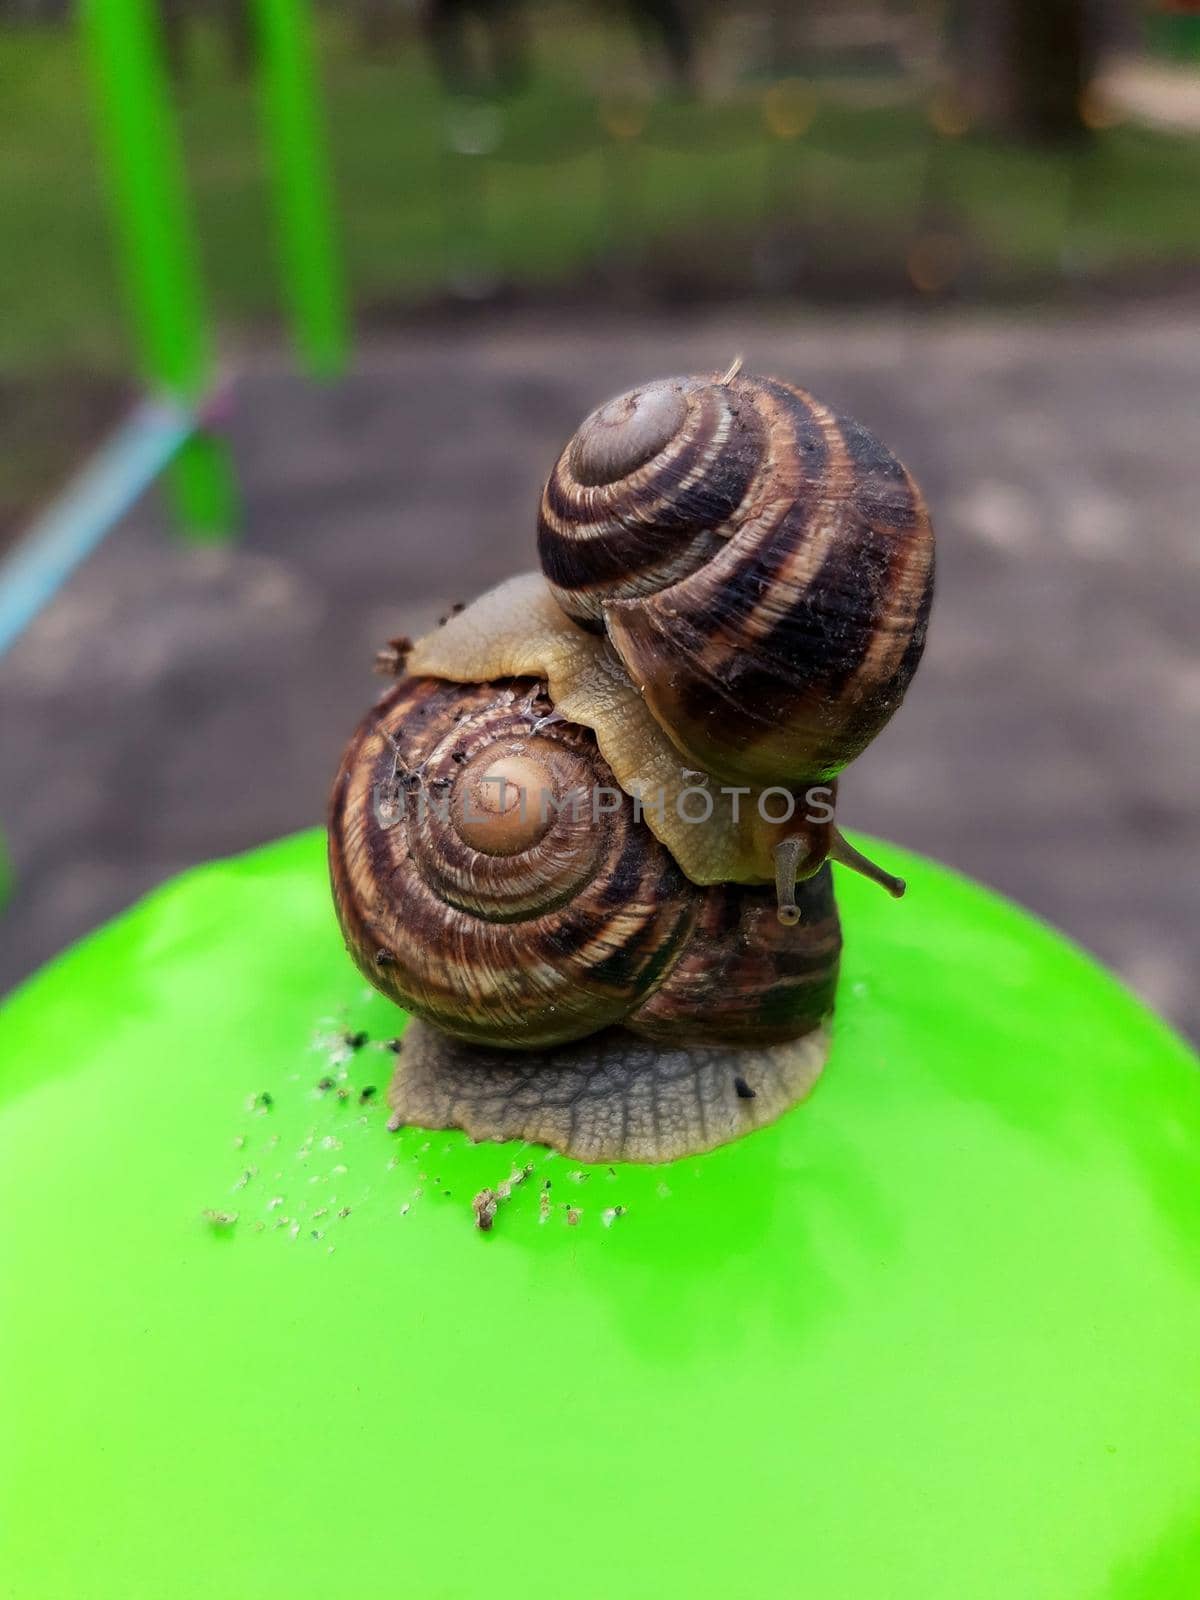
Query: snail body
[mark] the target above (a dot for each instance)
(549, 840)
(519, 630)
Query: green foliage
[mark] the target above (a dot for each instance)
(556, 195)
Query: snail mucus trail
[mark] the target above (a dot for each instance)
(733, 596)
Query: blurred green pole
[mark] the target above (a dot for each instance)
(309, 261)
(154, 237)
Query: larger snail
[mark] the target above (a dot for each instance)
(585, 837)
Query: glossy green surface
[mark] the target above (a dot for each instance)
(933, 1334)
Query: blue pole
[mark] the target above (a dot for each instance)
(71, 528)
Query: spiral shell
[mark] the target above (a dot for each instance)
(541, 909)
(762, 566)
(545, 941)
(744, 977)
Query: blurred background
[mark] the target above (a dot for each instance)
(372, 262)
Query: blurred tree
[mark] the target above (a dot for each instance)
(480, 46)
(1026, 63)
(1050, 65)
(666, 25)
(786, 19)
(232, 19)
(382, 23)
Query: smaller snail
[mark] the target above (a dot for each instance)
(762, 566)
(551, 839)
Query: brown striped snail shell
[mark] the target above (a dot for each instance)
(762, 566)
(491, 877)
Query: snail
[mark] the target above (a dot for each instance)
(585, 836)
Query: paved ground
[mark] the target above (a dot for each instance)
(176, 704)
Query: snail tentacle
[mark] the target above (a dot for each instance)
(845, 854)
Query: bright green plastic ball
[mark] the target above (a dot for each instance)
(933, 1334)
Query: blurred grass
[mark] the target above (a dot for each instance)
(556, 196)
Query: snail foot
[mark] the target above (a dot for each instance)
(610, 1097)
